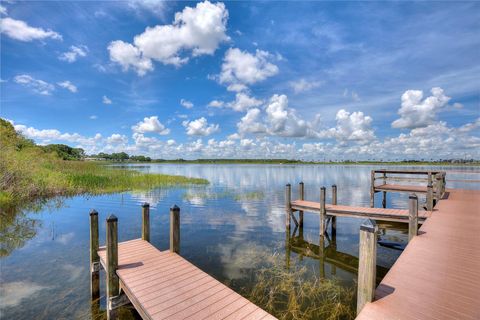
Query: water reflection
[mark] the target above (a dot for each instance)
(230, 228)
(325, 252)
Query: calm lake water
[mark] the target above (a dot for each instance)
(227, 229)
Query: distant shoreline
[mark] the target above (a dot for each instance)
(290, 162)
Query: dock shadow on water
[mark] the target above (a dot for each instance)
(233, 229)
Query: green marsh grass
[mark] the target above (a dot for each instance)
(28, 173)
(296, 292)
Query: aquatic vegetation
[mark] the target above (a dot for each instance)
(289, 294)
(254, 195)
(29, 172)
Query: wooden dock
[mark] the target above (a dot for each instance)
(437, 275)
(162, 284)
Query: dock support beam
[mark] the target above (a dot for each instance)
(288, 204)
(175, 229)
(372, 189)
(146, 222)
(323, 212)
(301, 195)
(429, 193)
(367, 264)
(94, 258)
(412, 216)
(334, 202)
(113, 283)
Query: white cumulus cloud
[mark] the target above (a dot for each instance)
(200, 127)
(197, 30)
(20, 30)
(74, 53)
(216, 104)
(416, 112)
(106, 100)
(303, 85)
(351, 127)
(68, 85)
(150, 124)
(278, 119)
(186, 104)
(241, 68)
(117, 138)
(38, 86)
(243, 102)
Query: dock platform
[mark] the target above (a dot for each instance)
(437, 275)
(160, 284)
(163, 285)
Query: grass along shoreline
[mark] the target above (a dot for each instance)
(29, 173)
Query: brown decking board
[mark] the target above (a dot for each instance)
(383, 214)
(163, 285)
(437, 275)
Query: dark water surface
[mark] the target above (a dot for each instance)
(227, 229)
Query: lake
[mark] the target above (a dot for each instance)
(232, 228)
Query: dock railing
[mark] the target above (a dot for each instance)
(434, 184)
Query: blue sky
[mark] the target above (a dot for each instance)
(306, 80)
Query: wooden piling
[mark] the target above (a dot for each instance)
(94, 258)
(372, 189)
(439, 186)
(288, 204)
(429, 195)
(146, 221)
(323, 211)
(301, 195)
(334, 202)
(113, 284)
(175, 229)
(367, 263)
(412, 216)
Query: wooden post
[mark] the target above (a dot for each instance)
(372, 189)
(367, 263)
(334, 202)
(94, 258)
(412, 216)
(384, 193)
(113, 284)
(438, 186)
(301, 195)
(288, 204)
(429, 198)
(323, 211)
(146, 222)
(175, 229)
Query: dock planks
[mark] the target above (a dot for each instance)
(437, 275)
(395, 215)
(163, 285)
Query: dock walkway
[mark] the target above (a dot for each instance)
(163, 285)
(381, 214)
(160, 284)
(437, 275)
